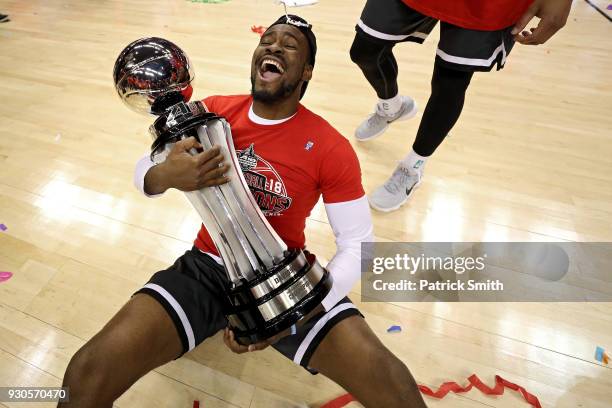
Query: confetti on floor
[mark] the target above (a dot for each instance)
(4, 276)
(196, 404)
(451, 386)
(58, 137)
(601, 356)
(609, 7)
(3, 227)
(394, 329)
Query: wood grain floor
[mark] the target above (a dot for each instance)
(530, 160)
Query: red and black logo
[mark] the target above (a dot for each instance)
(265, 183)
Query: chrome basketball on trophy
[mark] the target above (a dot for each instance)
(269, 287)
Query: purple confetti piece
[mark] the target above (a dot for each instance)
(4, 276)
(394, 329)
(609, 7)
(3, 227)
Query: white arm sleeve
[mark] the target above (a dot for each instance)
(351, 222)
(142, 167)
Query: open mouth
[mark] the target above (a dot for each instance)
(270, 69)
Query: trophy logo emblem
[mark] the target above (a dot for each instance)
(247, 158)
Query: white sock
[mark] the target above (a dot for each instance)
(414, 162)
(390, 106)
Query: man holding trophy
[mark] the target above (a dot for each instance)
(248, 273)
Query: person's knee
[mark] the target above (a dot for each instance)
(81, 363)
(389, 365)
(450, 81)
(356, 52)
(364, 52)
(86, 374)
(396, 378)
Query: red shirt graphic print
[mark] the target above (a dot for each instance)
(265, 183)
(288, 166)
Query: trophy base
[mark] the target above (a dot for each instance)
(278, 299)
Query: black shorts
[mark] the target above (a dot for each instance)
(459, 48)
(192, 293)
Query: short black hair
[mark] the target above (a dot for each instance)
(306, 29)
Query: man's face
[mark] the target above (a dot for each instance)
(280, 64)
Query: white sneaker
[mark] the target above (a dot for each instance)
(376, 124)
(396, 190)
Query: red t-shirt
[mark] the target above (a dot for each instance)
(486, 15)
(288, 166)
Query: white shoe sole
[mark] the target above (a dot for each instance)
(386, 210)
(411, 114)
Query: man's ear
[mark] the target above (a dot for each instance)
(307, 73)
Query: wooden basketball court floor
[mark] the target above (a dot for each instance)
(530, 160)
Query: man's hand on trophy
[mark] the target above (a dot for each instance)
(232, 344)
(185, 171)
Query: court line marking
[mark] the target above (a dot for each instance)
(600, 11)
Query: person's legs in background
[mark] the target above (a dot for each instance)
(460, 52)
(376, 60)
(448, 88)
(383, 24)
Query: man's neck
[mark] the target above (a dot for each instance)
(275, 111)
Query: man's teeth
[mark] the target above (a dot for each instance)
(272, 62)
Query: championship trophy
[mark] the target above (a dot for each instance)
(269, 287)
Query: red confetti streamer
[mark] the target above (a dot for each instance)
(196, 404)
(339, 402)
(500, 385)
(259, 30)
